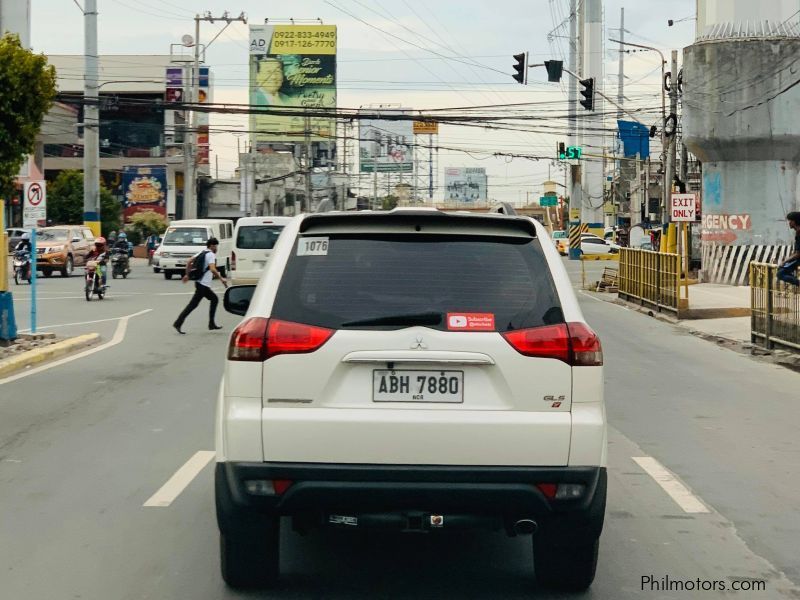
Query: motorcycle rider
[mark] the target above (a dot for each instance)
(98, 253)
(121, 247)
(24, 245)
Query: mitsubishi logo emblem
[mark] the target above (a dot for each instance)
(419, 344)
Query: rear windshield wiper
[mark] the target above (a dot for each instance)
(426, 318)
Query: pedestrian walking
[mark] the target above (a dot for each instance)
(786, 272)
(203, 269)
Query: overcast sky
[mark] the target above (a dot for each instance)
(374, 67)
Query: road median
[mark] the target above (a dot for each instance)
(19, 362)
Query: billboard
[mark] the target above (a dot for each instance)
(386, 145)
(292, 67)
(144, 188)
(465, 184)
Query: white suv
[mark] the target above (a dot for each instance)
(412, 370)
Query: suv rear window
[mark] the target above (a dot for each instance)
(258, 237)
(366, 277)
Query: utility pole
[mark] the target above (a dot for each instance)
(307, 135)
(621, 74)
(669, 173)
(430, 167)
(343, 195)
(574, 140)
(592, 208)
(190, 138)
(91, 122)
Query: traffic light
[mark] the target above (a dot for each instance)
(554, 69)
(588, 93)
(562, 151)
(520, 67)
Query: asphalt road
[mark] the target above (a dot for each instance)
(85, 444)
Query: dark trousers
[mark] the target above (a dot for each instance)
(200, 292)
(786, 272)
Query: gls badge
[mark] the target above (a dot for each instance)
(554, 400)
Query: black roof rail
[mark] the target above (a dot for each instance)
(326, 205)
(504, 208)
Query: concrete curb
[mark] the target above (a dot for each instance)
(39, 355)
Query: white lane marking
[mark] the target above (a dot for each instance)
(119, 335)
(168, 492)
(107, 297)
(670, 484)
(582, 293)
(71, 324)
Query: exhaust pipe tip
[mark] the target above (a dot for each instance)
(525, 527)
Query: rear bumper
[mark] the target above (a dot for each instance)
(507, 493)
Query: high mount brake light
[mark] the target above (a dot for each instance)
(573, 343)
(258, 339)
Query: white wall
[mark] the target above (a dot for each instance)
(15, 16)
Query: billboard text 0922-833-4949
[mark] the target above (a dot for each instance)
(292, 67)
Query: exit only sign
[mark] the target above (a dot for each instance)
(683, 207)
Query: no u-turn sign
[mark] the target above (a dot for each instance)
(34, 209)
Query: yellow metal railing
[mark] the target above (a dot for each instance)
(775, 309)
(650, 279)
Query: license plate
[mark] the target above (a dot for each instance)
(417, 386)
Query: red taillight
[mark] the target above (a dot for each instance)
(573, 343)
(548, 489)
(249, 340)
(550, 341)
(233, 261)
(284, 337)
(281, 485)
(257, 339)
(586, 348)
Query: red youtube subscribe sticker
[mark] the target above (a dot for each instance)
(470, 322)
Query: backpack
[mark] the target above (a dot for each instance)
(197, 266)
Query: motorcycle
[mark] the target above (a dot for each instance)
(120, 264)
(94, 280)
(22, 266)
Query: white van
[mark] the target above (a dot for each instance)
(184, 239)
(253, 240)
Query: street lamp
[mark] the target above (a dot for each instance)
(664, 187)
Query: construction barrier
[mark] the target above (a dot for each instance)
(775, 309)
(650, 279)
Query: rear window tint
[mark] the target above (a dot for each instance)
(258, 237)
(369, 277)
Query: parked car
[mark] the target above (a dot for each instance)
(61, 248)
(411, 370)
(561, 240)
(253, 241)
(184, 239)
(592, 245)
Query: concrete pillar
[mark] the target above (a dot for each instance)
(740, 119)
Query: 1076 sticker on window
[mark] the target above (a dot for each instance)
(313, 246)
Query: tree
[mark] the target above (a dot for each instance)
(144, 224)
(65, 202)
(27, 91)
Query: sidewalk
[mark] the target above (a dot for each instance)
(719, 310)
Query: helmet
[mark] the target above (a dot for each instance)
(101, 241)
(26, 236)
(122, 236)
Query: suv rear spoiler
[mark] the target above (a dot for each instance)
(415, 219)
